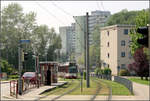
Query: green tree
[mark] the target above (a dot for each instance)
(6, 67)
(142, 19)
(122, 17)
(95, 47)
(15, 25)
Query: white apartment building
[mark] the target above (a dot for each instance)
(114, 47)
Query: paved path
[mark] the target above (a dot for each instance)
(32, 94)
(141, 91)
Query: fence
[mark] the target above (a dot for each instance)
(14, 88)
(28, 84)
(102, 76)
(125, 82)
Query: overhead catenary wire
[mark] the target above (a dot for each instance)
(102, 5)
(74, 19)
(50, 13)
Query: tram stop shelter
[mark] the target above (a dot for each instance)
(48, 72)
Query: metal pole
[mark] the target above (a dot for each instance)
(35, 64)
(0, 74)
(20, 70)
(87, 52)
(81, 74)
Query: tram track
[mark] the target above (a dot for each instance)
(97, 91)
(69, 91)
(65, 93)
(109, 97)
(96, 80)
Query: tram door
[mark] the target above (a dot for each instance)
(48, 77)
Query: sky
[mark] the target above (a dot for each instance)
(60, 13)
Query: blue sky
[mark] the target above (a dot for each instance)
(59, 13)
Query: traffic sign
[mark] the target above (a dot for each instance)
(24, 41)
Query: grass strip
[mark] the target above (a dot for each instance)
(117, 89)
(138, 80)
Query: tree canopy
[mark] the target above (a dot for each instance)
(17, 25)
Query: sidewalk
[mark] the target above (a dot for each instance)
(2, 82)
(34, 94)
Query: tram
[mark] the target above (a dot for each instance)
(68, 70)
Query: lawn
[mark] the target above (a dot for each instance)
(117, 89)
(138, 80)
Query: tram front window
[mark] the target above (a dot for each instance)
(72, 69)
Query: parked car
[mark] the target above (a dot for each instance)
(30, 77)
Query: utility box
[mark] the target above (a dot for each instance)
(48, 71)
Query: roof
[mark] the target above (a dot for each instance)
(118, 25)
(48, 62)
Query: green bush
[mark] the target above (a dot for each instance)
(13, 76)
(84, 75)
(107, 71)
(6, 67)
(101, 71)
(124, 72)
(97, 71)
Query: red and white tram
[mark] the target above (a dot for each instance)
(68, 70)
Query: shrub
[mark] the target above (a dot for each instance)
(13, 76)
(107, 71)
(84, 75)
(97, 71)
(101, 71)
(124, 72)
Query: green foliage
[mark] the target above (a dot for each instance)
(124, 72)
(97, 71)
(13, 76)
(138, 80)
(6, 67)
(17, 25)
(95, 47)
(142, 19)
(122, 17)
(80, 59)
(107, 71)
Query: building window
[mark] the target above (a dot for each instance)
(122, 54)
(126, 31)
(123, 43)
(107, 44)
(108, 55)
(104, 64)
(108, 65)
(130, 56)
(123, 66)
(108, 33)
